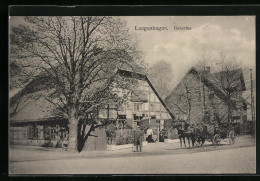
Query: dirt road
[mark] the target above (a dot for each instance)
(158, 158)
(239, 160)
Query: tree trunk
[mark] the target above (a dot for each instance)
(73, 133)
(203, 99)
(229, 113)
(189, 109)
(88, 131)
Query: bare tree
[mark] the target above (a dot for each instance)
(197, 89)
(76, 59)
(181, 100)
(184, 97)
(226, 75)
(228, 79)
(161, 76)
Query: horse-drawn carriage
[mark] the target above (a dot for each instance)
(215, 133)
(208, 131)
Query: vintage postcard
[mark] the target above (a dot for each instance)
(132, 95)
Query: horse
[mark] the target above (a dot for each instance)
(185, 131)
(193, 134)
(182, 137)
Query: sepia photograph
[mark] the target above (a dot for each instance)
(132, 95)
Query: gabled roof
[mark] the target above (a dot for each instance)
(32, 86)
(208, 80)
(42, 79)
(32, 108)
(39, 109)
(144, 77)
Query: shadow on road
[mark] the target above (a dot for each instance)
(194, 147)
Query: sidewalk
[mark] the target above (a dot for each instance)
(32, 153)
(18, 153)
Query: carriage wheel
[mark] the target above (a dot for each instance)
(232, 137)
(216, 140)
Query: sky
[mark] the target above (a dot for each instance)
(232, 35)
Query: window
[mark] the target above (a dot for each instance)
(121, 117)
(53, 133)
(138, 117)
(114, 122)
(244, 106)
(152, 107)
(36, 132)
(138, 107)
(198, 95)
(32, 132)
(49, 132)
(153, 117)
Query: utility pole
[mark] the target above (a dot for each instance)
(202, 92)
(252, 103)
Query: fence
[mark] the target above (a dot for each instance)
(124, 132)
(122, 136)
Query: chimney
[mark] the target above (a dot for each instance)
(207, 70)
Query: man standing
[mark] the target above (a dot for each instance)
(138, 138)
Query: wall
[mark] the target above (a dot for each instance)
(97, 141)
(19, 136)
(151, 107)
(177, 101)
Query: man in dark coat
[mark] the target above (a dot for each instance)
(138, 138)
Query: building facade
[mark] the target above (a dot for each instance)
(142, 102)
(33, 123)
(198, 99)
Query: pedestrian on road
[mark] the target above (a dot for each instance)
(138, 138)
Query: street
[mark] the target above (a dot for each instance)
(156, 158)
